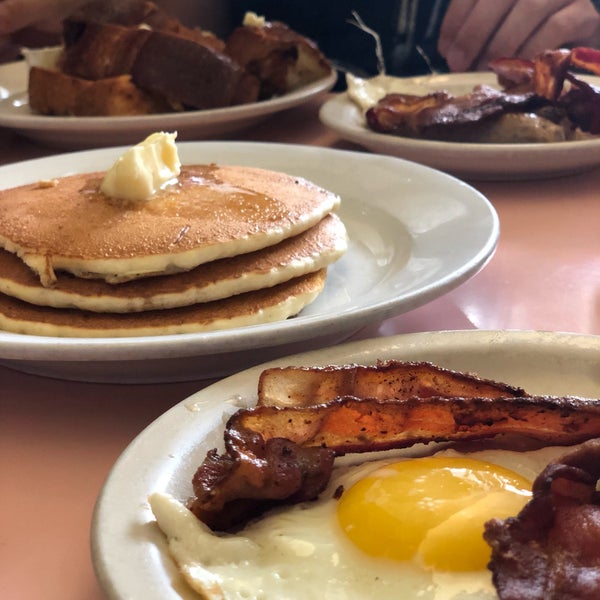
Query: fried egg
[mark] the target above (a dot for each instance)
(390, 528)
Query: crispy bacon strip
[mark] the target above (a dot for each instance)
(391, 115)
(514, 73)
(400, 111)
(586, 58)
(263, 442)
(551, 550)
(550, 70)
(582, 104)
(253, 476)
(527, 86)
(306, 386)
(355, 425)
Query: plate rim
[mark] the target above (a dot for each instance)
(39, 347)
(450, 341)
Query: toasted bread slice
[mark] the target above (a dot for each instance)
(281, 59)
(55, 93)
(186, 72)
(99, 50)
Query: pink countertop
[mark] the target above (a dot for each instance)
(58, 439)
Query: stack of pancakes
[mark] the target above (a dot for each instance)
(223, 246)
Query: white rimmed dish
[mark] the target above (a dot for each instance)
(414, 234)
(129, 552)
(70, 133)
(468, 160)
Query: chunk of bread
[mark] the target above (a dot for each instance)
(185, 72)
(98, 50)
(52, 92)
(281, 59)
(159, 65)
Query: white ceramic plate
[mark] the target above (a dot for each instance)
(129, 553)
(415, 233)
(89, 132)
(475, 161)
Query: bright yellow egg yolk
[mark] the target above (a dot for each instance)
(431, 508)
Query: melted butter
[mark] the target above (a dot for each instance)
(198, 194)
(201, 194)
(144, 169)
(251, 19)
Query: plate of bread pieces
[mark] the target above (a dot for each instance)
(244, 252)
(522, 119)
(113, 83)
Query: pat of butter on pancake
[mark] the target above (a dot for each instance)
(144, 169)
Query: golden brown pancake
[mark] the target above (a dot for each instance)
(262, 306)
(307, 252)
(211, 212)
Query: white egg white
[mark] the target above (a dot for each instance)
(300, 552)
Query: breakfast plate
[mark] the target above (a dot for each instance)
(467, 160)
(128, 551)
(414, 234)
(88, 132)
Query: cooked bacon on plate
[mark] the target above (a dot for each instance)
(351, 424)
(537, 86)
(551, 550)
(306, 386)
(276, 454)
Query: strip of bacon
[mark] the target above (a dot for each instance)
(392, 115)
(582, 104)
(527, 86)
(514, 73)
(586, 58)
(265, 442)
(400, 112)
(351, 424)
(306, 386)
(550, 71)
(551, 550)
(255, 475)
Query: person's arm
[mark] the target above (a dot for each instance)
(474, 32)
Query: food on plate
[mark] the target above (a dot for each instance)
(234, 486)
(541, 100)
(265, 305)
(148, 62)
(551, 549)
(307, 252)
(404, 523)
(306, 386)
(209, 212)
(280, 58)
(152, 247)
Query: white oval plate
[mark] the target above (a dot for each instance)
(70, 133)
(128, 551)
(474, 161)
(415, 233)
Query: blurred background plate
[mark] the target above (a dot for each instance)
(471, 161)
(69, 133)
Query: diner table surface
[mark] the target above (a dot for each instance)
(59, 439)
